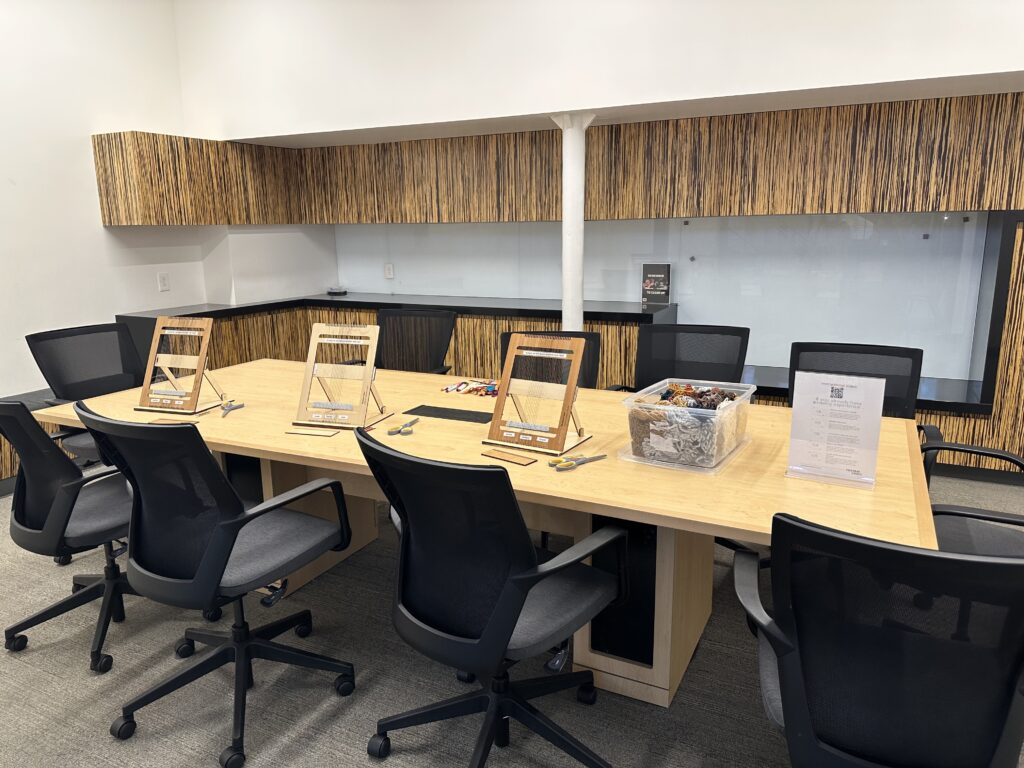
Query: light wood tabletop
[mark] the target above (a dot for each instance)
(738, 501)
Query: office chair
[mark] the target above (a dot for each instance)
(696, 352)
(83, 362)
(414, 339)
(855, 675)
(969, 530)
(591, 352)
(57, 511)
(192, 544)
(471, 594)
(899, 366)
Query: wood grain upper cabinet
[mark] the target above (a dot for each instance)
(156, 179)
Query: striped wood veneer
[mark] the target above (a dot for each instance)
(148, 178)
(952, 154)
(963, 153)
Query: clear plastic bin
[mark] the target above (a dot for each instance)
(669, 435)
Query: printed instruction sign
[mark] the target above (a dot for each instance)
(656, 288)
(836, 423)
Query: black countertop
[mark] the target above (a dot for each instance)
(628, 311)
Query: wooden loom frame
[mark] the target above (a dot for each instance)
(189, 402)
(543, 438)
(362, 335)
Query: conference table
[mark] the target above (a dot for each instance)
(642, 648)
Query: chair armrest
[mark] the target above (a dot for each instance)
(930, 434)
(100, 475)
(64, 504)
(620, 388)
(746, 573)
(288, 497)
(579, 552)
(442, 370)
(974, 450)
(63, 432)
(56, 401)
(987, 515)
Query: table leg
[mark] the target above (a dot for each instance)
(682, 581)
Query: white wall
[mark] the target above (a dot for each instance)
(256, 263)
(872, 279)
(260, 67)
(71, 69)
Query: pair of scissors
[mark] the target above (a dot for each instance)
(230, 406)
(572, 463)
(560, 459)
(405, 429)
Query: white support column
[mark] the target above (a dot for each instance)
(574, 159)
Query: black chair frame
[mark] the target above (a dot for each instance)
(805, 748)
(242, 644)
(906, 410)
(109, 587)
(499, 698)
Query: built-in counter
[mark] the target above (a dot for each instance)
(244, 332)
(281, 328)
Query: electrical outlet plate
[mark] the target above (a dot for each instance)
(389, 271)
(163, 282)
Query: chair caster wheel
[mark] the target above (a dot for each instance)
(379, 746)
(465, 677)
(232, 757)
(185, 648)
(213, 614)
(101, 664)
(15, 643)
(586, 694)
(923, 601)
(344, 685)
(123, 728)
(62, 560)
(304, 630)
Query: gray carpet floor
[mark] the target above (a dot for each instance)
(56, 712)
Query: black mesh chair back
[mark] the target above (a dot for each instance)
(873, 677)
(463, 536)
(698, 352)
(899, 366)
(88, 361)
(591, 353)
(414, 339)
(43, 469)
(177, 549)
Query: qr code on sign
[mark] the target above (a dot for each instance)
(837, 393)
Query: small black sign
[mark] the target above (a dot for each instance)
(656, 287)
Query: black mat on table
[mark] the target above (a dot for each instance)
(456, 414)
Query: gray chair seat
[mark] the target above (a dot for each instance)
(82, 446)
(978, 537)
(559, 605)
(273, 546)
(771, 690)
(101, 513)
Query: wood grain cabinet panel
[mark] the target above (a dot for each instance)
(952, 154)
